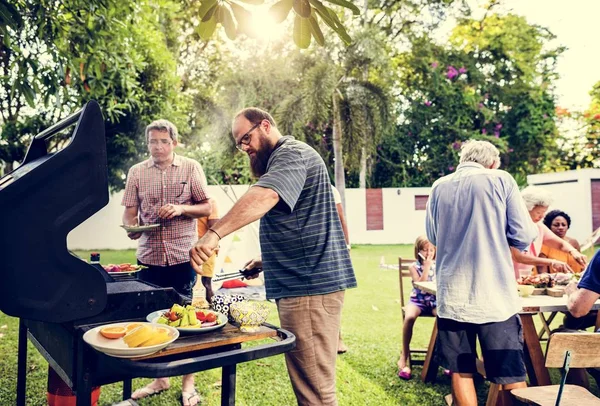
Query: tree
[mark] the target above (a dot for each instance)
(587, 153)
(492, 82)
(58, 55)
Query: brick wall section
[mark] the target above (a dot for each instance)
(374, 198)
(595, 203)
(421, 202)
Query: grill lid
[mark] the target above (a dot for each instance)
(40, 203)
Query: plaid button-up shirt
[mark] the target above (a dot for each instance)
(149, 188)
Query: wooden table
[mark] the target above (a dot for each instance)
(534, 356)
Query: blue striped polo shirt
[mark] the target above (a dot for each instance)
(302, 243)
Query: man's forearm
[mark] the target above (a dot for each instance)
(130, 216)
(581, 302)
(252, 206)
(194, 211)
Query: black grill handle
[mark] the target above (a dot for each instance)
(38, 148)
(61, 125)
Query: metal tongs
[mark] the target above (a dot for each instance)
(241, 274)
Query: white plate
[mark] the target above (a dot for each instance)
(117, 347)
(124, 273)
(139, 229)
(153, 317)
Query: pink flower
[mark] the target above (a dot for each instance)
(428, 103)
(480, 105)
(435, 64)
(462, 70)
(450, 168)
(456, 145)
(451, 73)
(499, 126)
(510, 150)
(484, 131)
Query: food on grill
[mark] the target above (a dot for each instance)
(146, 336)
(187, 317)
(123, 268)
(113, 332)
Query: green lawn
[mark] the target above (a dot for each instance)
(366, 374)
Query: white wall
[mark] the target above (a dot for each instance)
(402, 224)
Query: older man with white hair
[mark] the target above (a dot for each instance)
(474, 216)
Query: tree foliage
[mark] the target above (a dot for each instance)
(58, 55)
(589, 153)
(308, 17)
(492, 82)
(382, 101)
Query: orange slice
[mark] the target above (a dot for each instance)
(132, 326)
(113, 332)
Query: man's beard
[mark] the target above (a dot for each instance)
(260, 159)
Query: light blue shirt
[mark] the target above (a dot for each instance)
(473, 217)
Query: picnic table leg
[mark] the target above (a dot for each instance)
(228, 388)
(597, 321)
(534, 357)
(126, 389)
(22, 364)
(546, 325)
(430, 365)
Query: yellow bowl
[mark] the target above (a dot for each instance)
(250, 315)
(525, 290)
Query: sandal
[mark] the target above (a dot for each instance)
(190, 398)
(145, 392)
(405, 373)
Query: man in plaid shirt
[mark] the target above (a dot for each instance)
(169, 190)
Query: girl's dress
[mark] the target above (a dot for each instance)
(424, 301)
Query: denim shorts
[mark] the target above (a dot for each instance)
(180, 277)
(501, 346)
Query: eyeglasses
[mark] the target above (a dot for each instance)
(163, 141)
(245, 140)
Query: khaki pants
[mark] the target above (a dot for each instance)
(315, 321)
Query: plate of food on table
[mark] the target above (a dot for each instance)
(546, 283)
(130, 339)
(188, 319)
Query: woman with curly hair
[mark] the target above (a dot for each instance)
(559, 223)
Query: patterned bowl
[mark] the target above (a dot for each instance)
(250, 315)
(221, 303)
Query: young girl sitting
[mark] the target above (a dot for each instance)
(420, 302)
